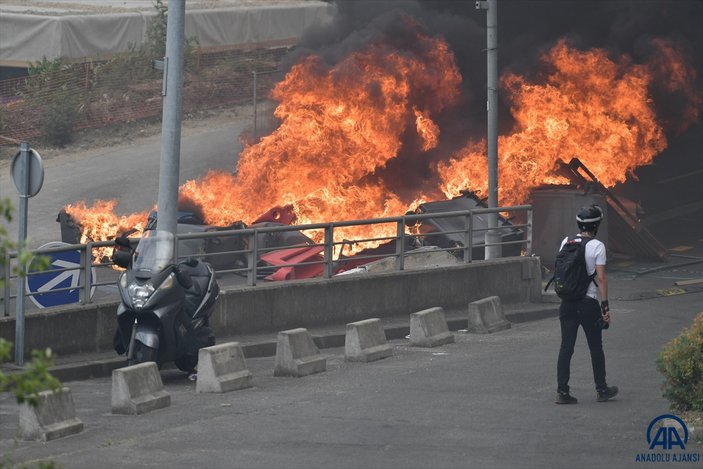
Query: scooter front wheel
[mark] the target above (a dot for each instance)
(142, 354)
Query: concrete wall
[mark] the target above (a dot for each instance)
(273, 307)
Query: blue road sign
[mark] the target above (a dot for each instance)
(42, 285)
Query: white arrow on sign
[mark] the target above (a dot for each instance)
(41, 293)
(74, 275)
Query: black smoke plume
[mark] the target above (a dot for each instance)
(526, 29)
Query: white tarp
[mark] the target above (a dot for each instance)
(26, 37)
(282, 24)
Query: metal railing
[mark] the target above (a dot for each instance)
(250, 253)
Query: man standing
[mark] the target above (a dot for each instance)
(579, 309)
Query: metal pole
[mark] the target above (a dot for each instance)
(467, 239)
(400, 245)
(471, 238)
(6, 287)
(329, 250)
(528, 248)
(86, 257)
(171, 118)
(492, 235)
(252, 257)
(21, 240)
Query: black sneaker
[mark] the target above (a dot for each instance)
(565, 398)
(607, 393)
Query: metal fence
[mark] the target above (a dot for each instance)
(264, 122)
(127, 88)
(252, 252)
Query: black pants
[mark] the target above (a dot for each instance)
(572, 314)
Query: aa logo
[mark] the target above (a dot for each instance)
(667, 432)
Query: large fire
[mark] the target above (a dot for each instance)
(589, 106)
(338, 126)
(342, 124)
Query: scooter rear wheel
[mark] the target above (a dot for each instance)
(142, 354)
(186, 363)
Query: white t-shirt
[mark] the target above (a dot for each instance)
(595, 255)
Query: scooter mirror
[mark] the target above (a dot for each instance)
(123, 241)
(121, 258)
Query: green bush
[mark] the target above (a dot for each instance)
(60, 117)
(681, 363)
(3, 124)
(52, 88)
(134, 65)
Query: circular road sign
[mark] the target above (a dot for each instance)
(27, 172)
(43, 285)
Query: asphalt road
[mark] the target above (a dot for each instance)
(485, 402)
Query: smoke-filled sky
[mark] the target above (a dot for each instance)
(526, 30)
(386, 107)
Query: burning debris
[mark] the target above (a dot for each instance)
(447, 232)
(374, 124)
(629, 235)
(605, 117)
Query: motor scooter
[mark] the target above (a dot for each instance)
(165, 308)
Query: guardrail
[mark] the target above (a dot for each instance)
(252, 252)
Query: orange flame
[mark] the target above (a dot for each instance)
(427, 130)
(338, 126)
(590, 107)
(341, 125)
(99, 223)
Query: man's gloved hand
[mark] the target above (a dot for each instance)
(605, 313)
(604, 306)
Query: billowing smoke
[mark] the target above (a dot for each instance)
(635, 29)
(385, 108)
(526, 29)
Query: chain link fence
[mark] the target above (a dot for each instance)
(65, 98)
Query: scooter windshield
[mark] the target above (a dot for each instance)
(154, 252)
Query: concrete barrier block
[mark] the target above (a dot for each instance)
(297, 355)
(53, 417)
(222, 368)
(138, 389)
(428, 328)
(486, 316)
(365, 341)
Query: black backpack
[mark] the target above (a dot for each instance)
(571, 279)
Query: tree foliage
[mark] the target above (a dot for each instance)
(25, 384)
(24, 257)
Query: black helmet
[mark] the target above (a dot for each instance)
(588, 218)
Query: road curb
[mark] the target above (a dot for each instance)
(395, 330)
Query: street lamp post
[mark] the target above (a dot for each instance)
(493, 234)
(171, 118)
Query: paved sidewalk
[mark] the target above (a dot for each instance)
(96, 365)
(626, 285)
(485, 401)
